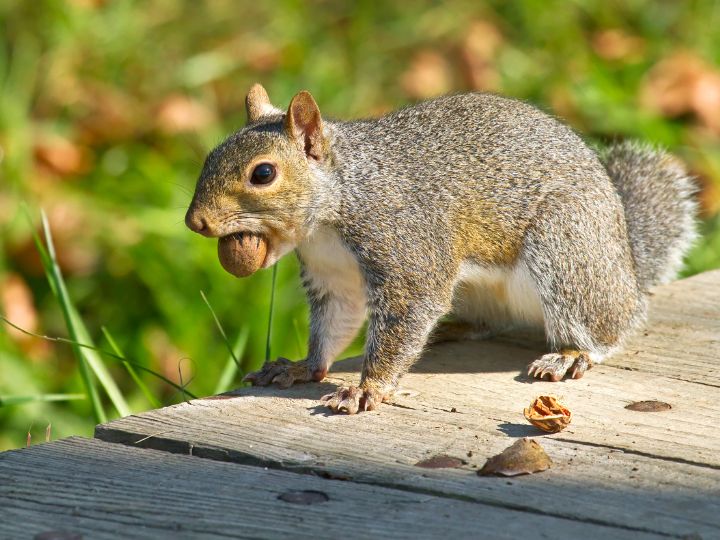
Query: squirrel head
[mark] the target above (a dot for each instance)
(268, 178)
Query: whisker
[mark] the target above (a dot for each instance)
(185, 189)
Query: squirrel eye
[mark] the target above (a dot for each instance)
(263, 174)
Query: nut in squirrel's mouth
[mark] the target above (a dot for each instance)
(243, 253)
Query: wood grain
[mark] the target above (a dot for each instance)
(107, 491)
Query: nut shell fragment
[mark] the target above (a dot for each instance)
(242, 254)
(524, 456)
(548, 414)
(649, 406)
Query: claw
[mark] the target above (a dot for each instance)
(352, 400)
(347, 406)
(557, 365)
(282, 371)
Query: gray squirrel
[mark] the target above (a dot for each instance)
(472, 205)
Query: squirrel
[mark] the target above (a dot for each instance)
(473, 206)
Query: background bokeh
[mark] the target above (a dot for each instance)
(108, 107)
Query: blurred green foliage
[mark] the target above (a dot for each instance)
(108, 107)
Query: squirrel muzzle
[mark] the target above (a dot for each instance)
(241, 253)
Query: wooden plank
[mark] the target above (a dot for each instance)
(288, 429)
(657, 472)
(101, 490)
(682, 338)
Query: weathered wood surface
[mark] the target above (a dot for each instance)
(682, 339)
(652, 472)
(106, 491)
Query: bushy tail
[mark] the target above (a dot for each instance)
(658, 195)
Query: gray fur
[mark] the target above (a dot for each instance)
(657, 196)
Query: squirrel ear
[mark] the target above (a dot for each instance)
(257, 104)
(304, 124)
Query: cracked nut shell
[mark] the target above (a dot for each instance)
(548, 414)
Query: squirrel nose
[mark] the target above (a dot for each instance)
(196, 222)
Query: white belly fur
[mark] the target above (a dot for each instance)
(497, 295)
(492, 295)
(331, 266)
(334, 273)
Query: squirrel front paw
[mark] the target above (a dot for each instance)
(284, 373)
(353, 399)
(557, 365)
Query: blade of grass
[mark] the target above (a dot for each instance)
(231, 370)
(101, 351)
(52, 271)
(181, 389)
(20, 400)
(98, 367)
(154, 403)
(78, 332)
(183, 384)
(222, 332)
(270, 313)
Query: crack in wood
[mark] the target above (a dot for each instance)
(640, 453)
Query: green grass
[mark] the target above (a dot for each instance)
(88, 133)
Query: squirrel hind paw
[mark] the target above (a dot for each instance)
(351, 400)
(572, 363)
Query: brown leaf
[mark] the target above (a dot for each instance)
(668, 86)
(181, 114)
(17, 303)
(441, 461)
(525, 456)
(477, 53)
(548, 414)
(705, 99)
(649, 406)
(428, 75)
(62, 156)
(173, 362)
(615, 44)
(682, 84)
